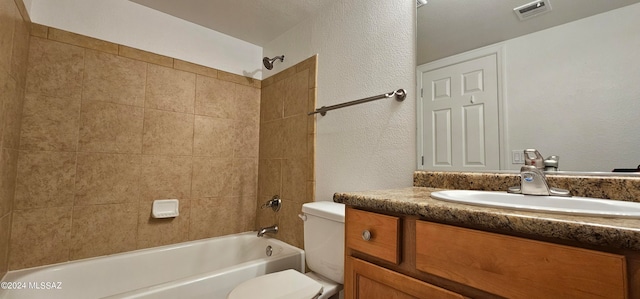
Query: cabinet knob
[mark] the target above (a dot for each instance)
(366, 235)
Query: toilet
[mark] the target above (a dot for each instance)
(324, 252)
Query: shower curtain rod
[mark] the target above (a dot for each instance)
(400, 95)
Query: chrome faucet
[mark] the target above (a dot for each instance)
(533, 157)
(269, 229)
(534, 182)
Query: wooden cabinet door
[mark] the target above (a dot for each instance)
(514, 267)
(364, 280)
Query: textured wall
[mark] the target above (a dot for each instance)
(14, 44)
(287, 148)
(364, 48)
(106, 129)
(573, 91)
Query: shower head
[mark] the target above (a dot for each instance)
(268, 62)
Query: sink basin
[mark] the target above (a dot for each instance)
(548, 204)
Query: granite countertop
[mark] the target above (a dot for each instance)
(610, 232)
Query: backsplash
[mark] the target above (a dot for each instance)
(106, 129)
(608, 187)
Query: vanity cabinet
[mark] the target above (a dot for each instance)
(378, 236)
(406, 257)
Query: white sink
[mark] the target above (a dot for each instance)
(549, 204)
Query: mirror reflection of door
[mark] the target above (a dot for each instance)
(460, 116)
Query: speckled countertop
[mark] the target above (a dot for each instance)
(417, 201)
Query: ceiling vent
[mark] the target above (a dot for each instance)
(532, 9)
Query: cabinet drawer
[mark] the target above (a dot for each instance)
(369, 281)
(384, 232)
(516, 267)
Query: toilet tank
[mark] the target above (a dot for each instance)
(324, 239)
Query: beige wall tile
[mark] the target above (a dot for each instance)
(82, 41)
(311, 65)
(157, 232)
(239, 79)
(45, 179)
(311, 106)
(145, 56)
(272, 102)
(8, 90)
(5, 235)
(264, 216)
(169, 89)
(167, 133)
(22, 10)
(311, 191)
(269, 177)
(39, 30)
(13, 109)
(248, 104)
(107, 178)
(245, 207)
(50, 124)
(213, 137)
(294, 178)
(246, 139)
(272, 139)
(39, 237)
(287, 170)
(212, 217)
(115, 182)
(291, 229)
(8, 15)
(165, 177)
(114, 79)
(212, 177)
(20, 52)
(112, 128)
(194, 68)
(245, 177)
(55, 69)
(296, 93)
(311, 155)
(8, 171)
(268, 81)
(103, 229)
(285, 74)
(295, 136)
(215, 97)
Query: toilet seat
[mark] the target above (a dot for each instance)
(287, 284)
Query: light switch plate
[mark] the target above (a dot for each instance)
(517, 157)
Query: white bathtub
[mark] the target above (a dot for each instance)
(208, 268)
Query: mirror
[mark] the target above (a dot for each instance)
(569, 76)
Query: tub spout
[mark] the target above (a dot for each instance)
(269, 229)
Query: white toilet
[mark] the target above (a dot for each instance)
(324, 251)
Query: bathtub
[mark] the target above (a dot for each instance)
(208, 268)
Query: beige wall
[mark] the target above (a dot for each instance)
(287, 148)
(14, 44)
(106, 129)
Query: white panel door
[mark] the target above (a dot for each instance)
(460, 113)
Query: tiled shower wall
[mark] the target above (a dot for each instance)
(106, 129)
(14, 44)
(287, 144)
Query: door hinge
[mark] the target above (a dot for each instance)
(423, 160)
(421, 93)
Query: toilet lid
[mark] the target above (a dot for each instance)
(287, 284)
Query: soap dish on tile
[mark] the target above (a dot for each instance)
(165, 208)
